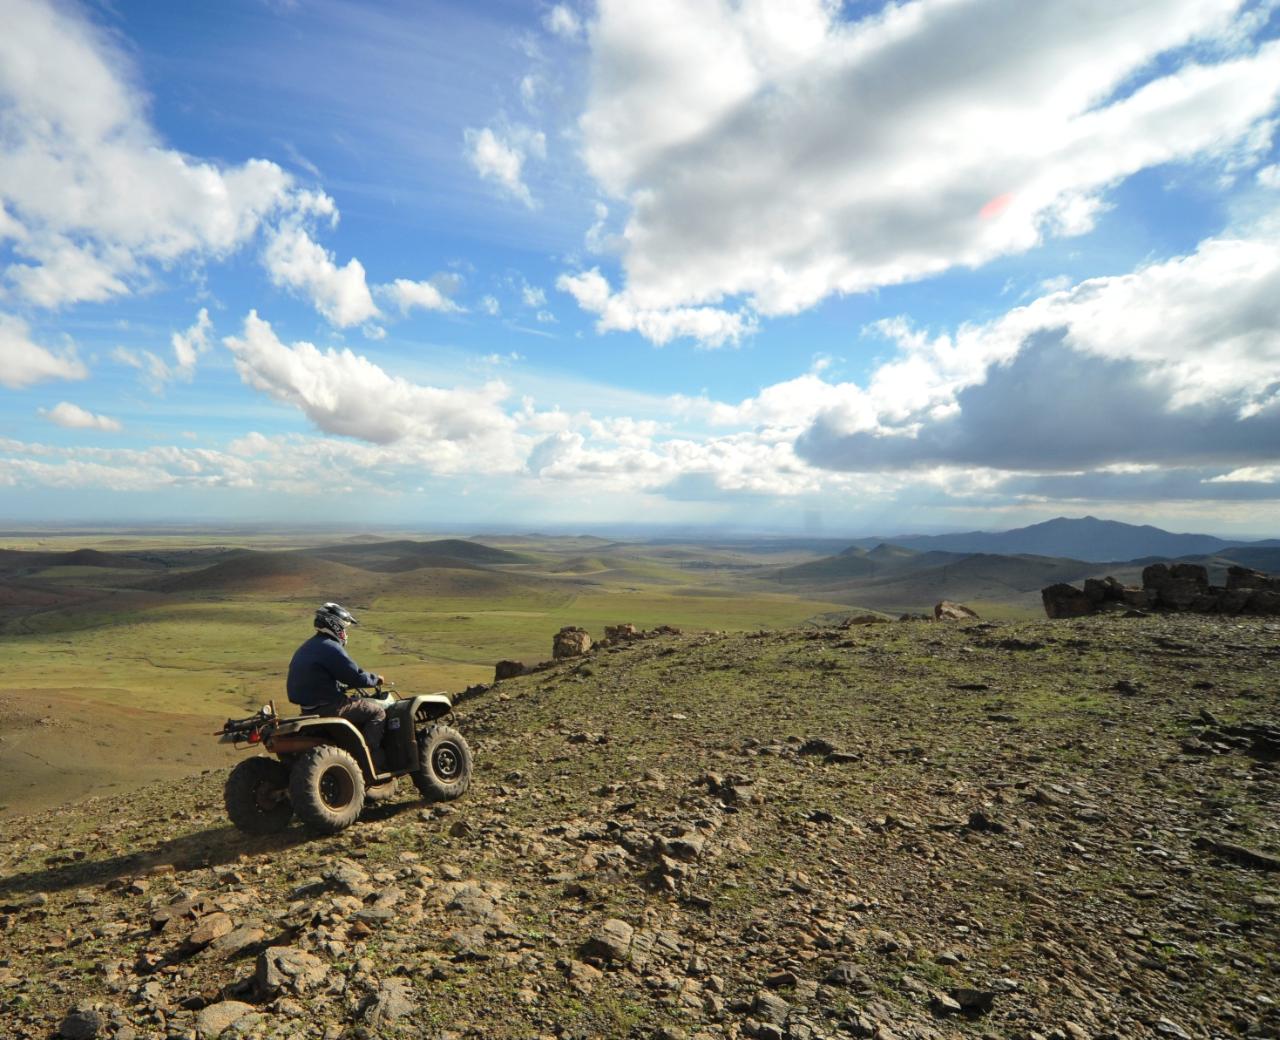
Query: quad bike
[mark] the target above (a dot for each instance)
(323, 771)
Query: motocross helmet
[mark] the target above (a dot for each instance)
(334, 619)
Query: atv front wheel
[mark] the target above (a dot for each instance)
(257, 796)
(327, 789)
(445, 771)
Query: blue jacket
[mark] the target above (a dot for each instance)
(320, 669)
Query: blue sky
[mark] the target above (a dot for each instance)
(761, 264)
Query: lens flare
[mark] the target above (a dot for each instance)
(994, 207)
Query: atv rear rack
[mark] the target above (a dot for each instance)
(250, 730)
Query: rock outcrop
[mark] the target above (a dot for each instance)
(1181, 587)
(570, 641)
(948, 611)
(508, 670)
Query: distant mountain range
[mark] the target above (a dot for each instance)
(1086, 538)
(1008, 568)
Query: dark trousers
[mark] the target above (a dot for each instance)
(371, 718)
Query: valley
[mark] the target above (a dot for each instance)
(123, 640)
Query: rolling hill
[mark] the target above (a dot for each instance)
(1084, 538)
(856, 563)
(1259, 557)
(914, 581)
(405, 554)
(18, 561)
(281, 573)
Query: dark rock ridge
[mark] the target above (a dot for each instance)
(1169, 587)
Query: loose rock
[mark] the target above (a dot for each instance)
(284, 968)
(82, 1023)
(393, 1001)
(216, 1019)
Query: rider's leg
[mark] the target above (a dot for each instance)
(372, 720)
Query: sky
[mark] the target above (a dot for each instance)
(753, 265)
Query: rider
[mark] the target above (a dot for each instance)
(320, 672)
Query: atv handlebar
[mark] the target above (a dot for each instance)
(384, 689)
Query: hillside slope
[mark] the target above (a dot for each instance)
(894, 579)
(806, 834)
(1082, 538)
(406, 554)
(278, 573)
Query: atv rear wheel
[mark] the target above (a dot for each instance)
(257, 796)
(327, 789)
(445, 772)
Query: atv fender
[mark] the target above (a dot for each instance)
(406, 717)
(310, 730)
(432, 705)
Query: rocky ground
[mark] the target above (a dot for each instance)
(1060, 829)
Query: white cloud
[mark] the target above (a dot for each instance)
(92, 198)
(530, 86)
(788, 406)
(190, 344)
(490, 305)
(509, 358)
(444, 429)
(156, 372)
(73, 417)
(741, 463)
(69, 273)
(9, 228)
(1208, 320)
(1249, 474)
(1202, 327)
(1178, 356)
(778, 153)
(123, 469)
(1269, 176)
(1172, 364)
(296, 261)
(404, 426)
(501, 159)
(533, 296)
(23, 362)
(709, 326)
(1176, 359)
(187, 345)
(1055, 284)
(407, 295)
(562, 20)
(599, 239)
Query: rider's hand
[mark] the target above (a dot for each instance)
(378, 680)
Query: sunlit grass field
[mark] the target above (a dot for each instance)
(229, 654)
(123, 675)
